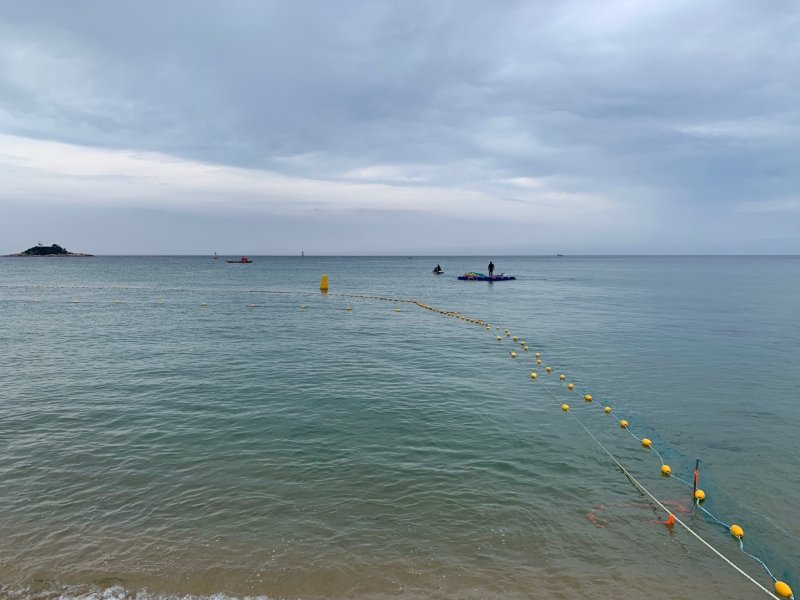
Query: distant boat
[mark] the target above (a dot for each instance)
(215, 256)
(302, 253)
(242, 261)
(557, 254)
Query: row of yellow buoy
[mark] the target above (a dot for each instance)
(781, 588)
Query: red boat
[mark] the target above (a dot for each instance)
(242, 261)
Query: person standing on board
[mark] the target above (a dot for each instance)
(491, 268)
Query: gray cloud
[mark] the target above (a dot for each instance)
(641, 120)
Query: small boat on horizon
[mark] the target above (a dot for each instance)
(242, 261)
(215, 256)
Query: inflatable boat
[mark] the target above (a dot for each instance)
(481, 277)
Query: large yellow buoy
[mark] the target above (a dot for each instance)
(513, 355)
(570, 386)
(737, 531)
(323, 284)
(534, 375)
(562, 377)
(699, 495)
(646, 442)
(623, 423)
(538, 355)
(538, 361)
(607, 409)
(588, 397)
(548, 369)
(783, 590)
(497, 338)
(665, 470)
(522, 342)
(514, 338)
(565, 407)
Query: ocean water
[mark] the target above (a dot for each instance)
(178, 427)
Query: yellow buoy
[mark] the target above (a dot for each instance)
(562, 377)
(534, 375)
(349, 308)
(526, 348)
(588, 397)
(514, 338)
(783, 590)
(507, 334)
(396, 310)
(252, 305)
(323, 284)
(538, 361)
(607, 409)
(646, 442)
(737, 531)
(623, 423)
(513, 355)
(565, 407)
(665, 470)
(497, 338)
(548, 369)
(700, 495)
(488, 327)
(570, 386)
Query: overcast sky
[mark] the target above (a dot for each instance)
(402, 127)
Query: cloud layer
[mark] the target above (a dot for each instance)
(647, 126)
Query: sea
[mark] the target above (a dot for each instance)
(177, 427)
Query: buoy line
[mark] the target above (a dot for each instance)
(780, 587)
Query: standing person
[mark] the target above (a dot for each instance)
(491, 268)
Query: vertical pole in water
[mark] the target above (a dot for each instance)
(696, 478)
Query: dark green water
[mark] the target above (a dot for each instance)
(161, 437)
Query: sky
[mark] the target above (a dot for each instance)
(406, 127)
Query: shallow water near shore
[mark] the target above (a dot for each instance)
(180, 427)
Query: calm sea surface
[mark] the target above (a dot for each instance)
(171, 427)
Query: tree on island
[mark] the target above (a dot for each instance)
(45, 250)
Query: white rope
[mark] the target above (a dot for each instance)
(657, 501)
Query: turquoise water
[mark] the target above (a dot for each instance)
(171, 426)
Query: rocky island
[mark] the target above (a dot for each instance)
(54, 250)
